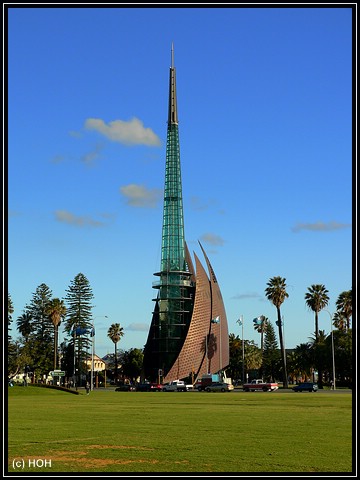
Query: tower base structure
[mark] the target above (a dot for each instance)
(203, 346)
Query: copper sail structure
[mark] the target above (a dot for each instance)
(188, 333)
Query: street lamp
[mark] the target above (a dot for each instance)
(241, 323)
(74, 373)
(283, 327)
(92, 357)
(93, 351)
(332, 348)
(77, 332)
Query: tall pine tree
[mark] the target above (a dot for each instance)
(271, 354)
(78, 323)
(42, 326)
(39, 344)
(11, 343)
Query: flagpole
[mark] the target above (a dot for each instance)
(74, 374)
(241, 322)
(92, 357)
(220, 346)
(93, 350)
(243, 350)
(206, 352)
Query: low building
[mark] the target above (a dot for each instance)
(99, 364)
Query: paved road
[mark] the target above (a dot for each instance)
(289, 390)
(240, 390)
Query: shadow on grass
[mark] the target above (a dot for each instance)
(54, 387)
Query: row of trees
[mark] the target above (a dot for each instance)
(303, 362)
(39, 326)
(316, 299)
(37, 349)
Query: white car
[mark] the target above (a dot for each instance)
(219, 387)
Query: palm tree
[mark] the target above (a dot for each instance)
(339, 321)
(320, 351)
(24, 324)
(276, 293)
(55, 310)
(304, 359)
(10, 312)
(235, 356)
(260, 327)
(317, 299)
(253, 356)
(115, 333)
(344, 306)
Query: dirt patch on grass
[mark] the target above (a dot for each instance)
(97, 462)
(99, 447)
(83, 458)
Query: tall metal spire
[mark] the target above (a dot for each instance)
(173, 240)
(173, 117)
(174, 302)
(185, 304)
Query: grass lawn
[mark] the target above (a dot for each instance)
(52, 431)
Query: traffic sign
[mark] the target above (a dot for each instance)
(57, 373)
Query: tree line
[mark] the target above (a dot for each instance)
(37, 349)
(321, 354)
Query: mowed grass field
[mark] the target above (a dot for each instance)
(51, 431)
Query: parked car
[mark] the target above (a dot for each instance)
(219, 387)
(306, 387)
(198, 385)
(125, 388)
(148, 387)
(177, 386)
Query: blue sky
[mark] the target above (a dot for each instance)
(264, 104)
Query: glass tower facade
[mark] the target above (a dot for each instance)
(176, 286)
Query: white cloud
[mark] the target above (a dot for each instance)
(58, 159)
(246, 296)
(90, 157)
(132, 132)
(212, 239)
(320, 226)
(197, 204)
(75, 134)
(71, 219)
(140, 196)
(14, 213)
(137, 327)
